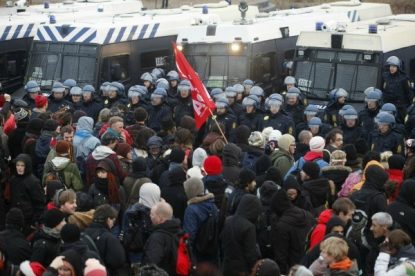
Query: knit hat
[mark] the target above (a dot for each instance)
(32, 268)
(74, 259)
(267, 267)
(70, 233)
(333, 222)
(266, 132)
(280, 202)
(275, 135)
(50, 125)
(194, 172)
(94, 268)
(285, 141)
(199, 156)
(246, 176)
(139, 164)
(122, 149)
(62, 148)
(40, 101)
(311, 169)
(35, 126)
(20, 114)
(317, 144)
(177, 155)
(242, 134)
(213, 165)
(15, 218)
(396, 162)
(256, 139)
(53, 218)
(77, 115)
(262, 164)
(193, 187)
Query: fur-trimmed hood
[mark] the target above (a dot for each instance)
(200, 199)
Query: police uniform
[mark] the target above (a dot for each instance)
(184, 107)
(279, 121)
(367, 120)
(227, 119)
(295, 112)
(251, 120)
(391, 141)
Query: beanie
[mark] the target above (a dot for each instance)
(40, 101)
(242, 133)
(267, 267)
(256, 139)
(15, 218)
(70, 233)
(53, 218)
(177, 155)
(50, 125)
(32, 268)
(280, 202)
(122, 149)
(285, 141)
(275, 135)
(62, 148)
(94, 268)
(317, 144)
(20, 114)
(311, 169)
(139, 165)
(246, 176)
(34, 126)
(213, 165)
(77, 115)
(333, 222)
(193, 187)
(396, 162)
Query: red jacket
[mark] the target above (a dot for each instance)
(396, 176)
(320, 230)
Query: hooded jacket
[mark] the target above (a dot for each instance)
(282, 160)
(84, 141)
(26, 192)
(231, 158)
(320, 230)
(301, 201)
(359, 185)
(318, 190)
(67, 170)
(403, 209)
(337, 174)
(239, 237)
(174, 193)
(42, 149)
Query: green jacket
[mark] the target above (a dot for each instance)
(67, 172)
(282, 160)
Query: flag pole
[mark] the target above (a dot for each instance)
(217, 124)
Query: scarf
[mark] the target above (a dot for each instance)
(83, 133)
(343, 265)
(55, 233)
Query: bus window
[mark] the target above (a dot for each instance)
(150, 60)
(115, 68)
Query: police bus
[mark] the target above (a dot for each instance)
(18, 26)
(116, 49)
(353, 57)
(228, 53)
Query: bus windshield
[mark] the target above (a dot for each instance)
(216, 66)
(320, 71)
(57, 62)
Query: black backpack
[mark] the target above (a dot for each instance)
(207, 238)
(264, 229)
(248, 161)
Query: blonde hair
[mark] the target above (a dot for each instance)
(335, 247)
(338, 157)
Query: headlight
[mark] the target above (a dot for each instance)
(235, 47)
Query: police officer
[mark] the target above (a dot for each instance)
(136, 94)
(367, 116)
(91, 105)
(76, 97)
(159, 110)
(223, 116)
(69, 83)
(103, 91)
(148, 82)
(276, 117)
(240, 89)
(250, 117)
(32, 90)
(310, 112)
(294, 105)
(247, 85)
(164, 83)
(385, 138)
(289, 82)
(352, 132)
(116, 95)
(57, 99)
(391, 109)
(338, 98)
(157, 73)
(174, 79)
(184, 105)
(396, 86)
(231, 95)
(317, 127)
(259, 92)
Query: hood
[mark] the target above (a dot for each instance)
(407, 251)
(292, 183)
(42, 147)
(295, 216)
(335, 169)
(102, 152)
(26, 160)
(79, 246)
(60, 163)
(407, 193)
(249, 208)
(139, 167)
(85, 123)
(376, 178)
(177, 176)
(267, 191)
(199, 156)
(172, 226)
(231, 155)
(149, 195)
(325, 216)
(370, 163)
(262, 164)
(311, 156)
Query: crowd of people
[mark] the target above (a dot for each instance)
(116, 182)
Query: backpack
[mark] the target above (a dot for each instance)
(307, 245)
(98, 198)
(207, 238)
(264, 230)
(89, 242)
(56, 175)
(248, 161)
(184, 263)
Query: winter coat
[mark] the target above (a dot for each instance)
(110, 248)
(216, 185)
(174, 193)
(42, 149)
(66, 170)
(239, 238)
(289, 236)
(234, 199)
(137, 220)
(337, 174)
(382, 265)
(301, 201)
(161, 247)
(54, 105)
(308, 157)
(92, 108)
(231, 158)
(82, 249)
(17, 248)
(182, 108)
(100, 153)
(320, 230)
(83, 140)
(396, 176)
(156, 114)
(27, 193)
(318, 190)
(252, 120)
(16, 138)
(45, 248)
(403, 209)
(282, 160)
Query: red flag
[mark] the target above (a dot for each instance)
(202, 102)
